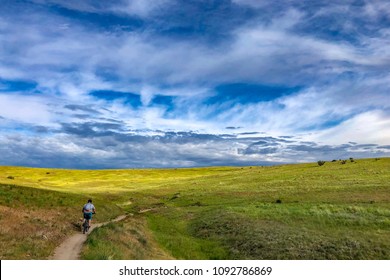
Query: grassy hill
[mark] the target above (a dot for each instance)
(300, 211)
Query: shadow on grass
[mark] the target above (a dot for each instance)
(76, 226)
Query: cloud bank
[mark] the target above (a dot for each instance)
(171, 83)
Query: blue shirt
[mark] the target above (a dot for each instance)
(89, 207)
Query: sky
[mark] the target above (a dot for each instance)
(183, 83)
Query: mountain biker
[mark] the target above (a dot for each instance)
(88, 210)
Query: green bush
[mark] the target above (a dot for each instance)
(321, 162)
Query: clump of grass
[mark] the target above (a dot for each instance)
(175, 196)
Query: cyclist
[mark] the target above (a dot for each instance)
(88, 210)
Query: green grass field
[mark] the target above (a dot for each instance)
(299, 211)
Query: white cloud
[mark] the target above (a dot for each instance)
(25, 109)
(258, 54)
(368, 127)
(252, 3)
(377, 8)
(141, 8)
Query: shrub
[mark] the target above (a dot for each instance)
(321, 162)
(351, 159)
(175, 196)
(11, 177)
(344, 161)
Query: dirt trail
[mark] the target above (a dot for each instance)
(70, 249)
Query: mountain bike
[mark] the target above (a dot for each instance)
(85, 226)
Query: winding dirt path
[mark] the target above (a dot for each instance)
(70, 249)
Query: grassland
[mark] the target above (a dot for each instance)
(302, 211)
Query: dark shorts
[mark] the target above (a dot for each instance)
(88, 216)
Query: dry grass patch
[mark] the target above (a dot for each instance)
(129, 239)
(30, 234)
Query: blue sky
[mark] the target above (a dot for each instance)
(169, 83)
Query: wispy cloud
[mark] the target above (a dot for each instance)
(140, 8)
